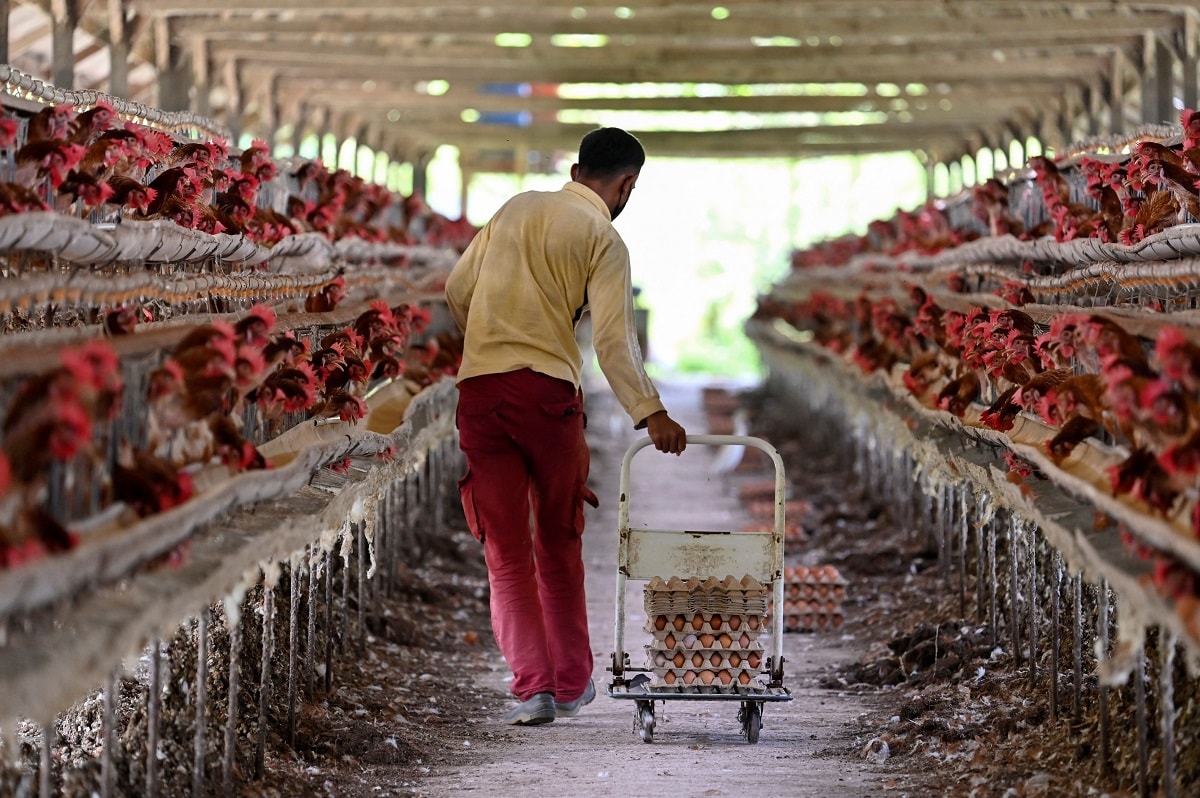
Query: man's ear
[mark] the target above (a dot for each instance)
(574, 171)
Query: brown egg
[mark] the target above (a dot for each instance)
(724, 676)
(698, 622)
(706, 640)
(715, 622)
(689, 677)
(697, 659)
(716, 659)
(706, 677)
(744, 641)
(669, 677)
(679, 623)
(660, 622)
(735, 621)
(669, 640)
(744, 677)
(725, 640)
(735, 659)
(753, 659)
(679, 659)
(752, 622)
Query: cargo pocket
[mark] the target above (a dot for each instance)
(567, 408)
(467, 493)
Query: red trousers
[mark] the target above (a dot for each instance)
(523, 494)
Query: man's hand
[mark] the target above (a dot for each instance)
(667, 435)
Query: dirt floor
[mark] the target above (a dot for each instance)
(903, 699)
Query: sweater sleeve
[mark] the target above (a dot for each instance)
(614, 332)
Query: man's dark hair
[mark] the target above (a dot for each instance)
(606, 151)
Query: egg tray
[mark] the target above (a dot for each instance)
(664, 637)
(687, 680)
(823, 578)
(672, 605)
(705, 623)
(697, 659)
(811, 590)
(746, 587)
(813, 622)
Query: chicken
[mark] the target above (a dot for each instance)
(87, 192)
(1077, 405)
(256, 327)
(89, 124)
(342, 405)
(130, 195)
(51, 122)
(1178, 358)
(49, 159)
(147, 483)
(1001, 413)
(959, 393)
(328, 297)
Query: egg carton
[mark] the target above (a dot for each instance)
(707, 623)
(726, 641)
(824, 580)
(813, 621)
(730, 586)
(670, 639)
(707, 680)
(792, 607)
(809, 590)
(701, 658)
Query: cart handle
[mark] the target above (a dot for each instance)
(714, 440)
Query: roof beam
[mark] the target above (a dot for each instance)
(540, 21)
(599, 67)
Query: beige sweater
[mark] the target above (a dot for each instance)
(521, 286)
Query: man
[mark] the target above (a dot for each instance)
(517, 293)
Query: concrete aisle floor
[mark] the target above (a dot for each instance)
(698, 749)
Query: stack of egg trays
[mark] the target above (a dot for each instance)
(705, 634)
(812, 598)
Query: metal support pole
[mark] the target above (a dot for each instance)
(310, 641)
(293, 635)
(360, 532)
(107, 729)
(962, 493)
(1055, 622)
(45, 780)
(1033, 606)
(328, 622)
(264, 685)
(153, 707)
(1102, 632)
(1143, 740)
(1167, 713)
(1077, 651)
(993, 601)
(346, 555)
(1013, 610)
(981, 559)
(235, 647)
(199, 751)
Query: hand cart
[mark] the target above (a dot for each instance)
(647, 553)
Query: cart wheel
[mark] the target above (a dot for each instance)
(751, 718)
(644, 720)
